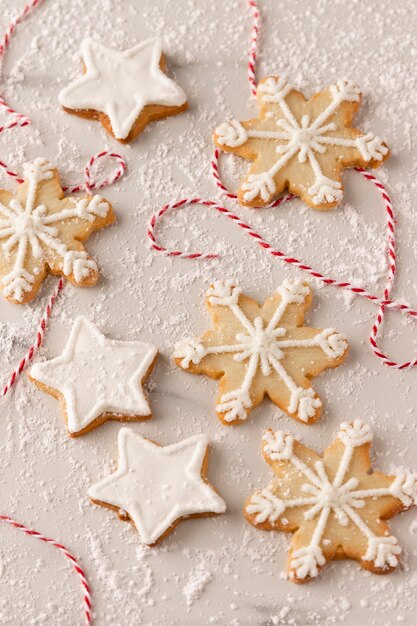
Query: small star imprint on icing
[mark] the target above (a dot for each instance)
(300, 145)
(97, 378)
(124, 90)
(41, 231)
(335, 505)
(262, 350)
(155, 487)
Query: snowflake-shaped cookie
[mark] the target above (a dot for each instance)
(301, 145)
(41, 231)
(335, 505)
(257, 350)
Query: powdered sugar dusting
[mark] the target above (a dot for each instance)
(197, 582)
(45, 475)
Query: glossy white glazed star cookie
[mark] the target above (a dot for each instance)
(97, 378)
(155, 487)
(124, 90)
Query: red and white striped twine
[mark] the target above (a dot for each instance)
(38, 341)
(18, 119)
(27, 9)
(77, 567)
(89, 184)
(253, 51)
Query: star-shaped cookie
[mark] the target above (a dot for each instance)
(156, 487)
(300, 145)
(97, 379)
(42, 231)
(335, 505)
(123, 90)
(262, 350)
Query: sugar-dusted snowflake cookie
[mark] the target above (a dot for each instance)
(41, 231)
(123, 90)
(97, 379)
(156, 487)
(300, 145)
(335, 505)
(256, 350)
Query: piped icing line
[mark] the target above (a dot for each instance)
(323, 496)
(121, 84)
(97, 376)
(262, 347)
(158, 486)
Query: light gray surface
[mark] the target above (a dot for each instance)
(45, 475)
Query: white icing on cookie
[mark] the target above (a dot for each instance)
(302, 139)
(121, 84)
(97, 375)
(262, 346)
(158, 485)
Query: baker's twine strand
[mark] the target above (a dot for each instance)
(383, 303)
(10, 172)
(27, 9)
(40, 335)
(253, 51)
(392, 260)
(18, 119)
(71, 558)
(89, 184)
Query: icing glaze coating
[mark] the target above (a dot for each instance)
(158, 485)
(121, 84)
(97, 376)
